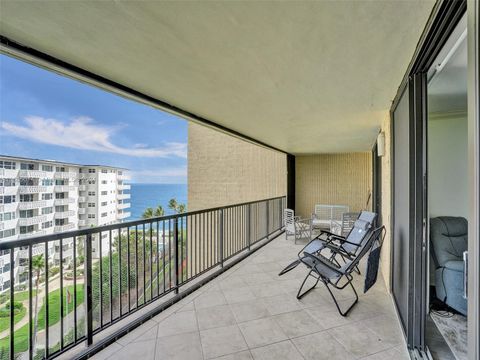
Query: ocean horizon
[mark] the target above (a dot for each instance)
(144, 195)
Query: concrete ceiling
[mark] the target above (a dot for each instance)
(305, 77)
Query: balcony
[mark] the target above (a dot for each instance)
(8, 190)
(32, 234)
(65, 175)
(82, 222)
(64, 214)
(82, 199)
(124, 187)
(9, 173)
(31, 189)
(32, 174)
(32, 220)
(62, 228)
(34, 204)
(123, 215)
(123, 206)
(65, 201)
(64, 188)
(123, 196)
(82, 211)
(82, 188)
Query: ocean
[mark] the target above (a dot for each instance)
(152, 195)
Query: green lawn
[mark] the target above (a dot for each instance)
(21, 335)
(19, 296)
(5, 321)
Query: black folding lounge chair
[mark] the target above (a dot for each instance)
(331, 274)
(345, 247)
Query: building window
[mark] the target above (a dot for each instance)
(104, 192)
(7, 233)
(91, 216)
(47, 210)
(61, 208)
(104, 181)
(47, 182)
(91, 193)
(25, 214)
(104, 171)
(91, 171)
(60, 222)
(7, 165)
(60, 169)
(7, 182)
(47, 196)
(60, 195)
(26, 197)
(27, 229)
(7, 216)
(7, 199)
(27, 182)
(104, 214)
(91, 182)
(60, 182)
(48, 168)
(104, 203)
(27, 166)
(91, 205)
(47, 224)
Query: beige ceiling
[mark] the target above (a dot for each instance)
(306, 77)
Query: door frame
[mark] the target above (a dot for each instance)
(445, 16)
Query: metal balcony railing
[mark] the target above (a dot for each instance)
(34, 189)
(115, 270)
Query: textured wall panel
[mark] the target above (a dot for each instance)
(341, 179)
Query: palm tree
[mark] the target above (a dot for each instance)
(37, 266)
(148, 213)
(181, 208)
(172, 204)
(159, 211)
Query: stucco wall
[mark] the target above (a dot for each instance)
(224, 170)
(342, 179)
(385, 260)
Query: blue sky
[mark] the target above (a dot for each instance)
(47, 116)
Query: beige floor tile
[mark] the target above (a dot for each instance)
(142, 329)
(284, 350)
(222, 341)
(391, 354)
(179, 347)
(321, 346)
(210, 298)
(297, 323)
(242, 355)
(262, 332)
(281, 304)
(358, 339)
(178, 323)
(215, 316)
(249, 310)
(144, 350)
(238, 295)
(107, 352)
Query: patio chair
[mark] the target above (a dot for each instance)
(326, 216)
(343, 227)
(344, 248)
(331, 274)
(299, 228)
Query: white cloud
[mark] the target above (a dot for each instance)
(82, 133)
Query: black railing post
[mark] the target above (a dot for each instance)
(175, 240)
(267, 216)
(249, 239)
(88, 269)
(220, 238)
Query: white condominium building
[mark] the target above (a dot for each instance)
(39, 197)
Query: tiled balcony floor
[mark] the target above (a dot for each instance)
(249, 312)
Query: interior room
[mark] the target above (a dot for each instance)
(447, 163)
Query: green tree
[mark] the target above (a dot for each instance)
(159, 211)
(148, 213)
(181, 208)
(37, 266)
(172, 204)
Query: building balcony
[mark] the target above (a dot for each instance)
(9, 207)
(9, 173)
(32, 234)
(123, 215)
(34, 204)
(124, 187)
(123, 196)
(31, 189)
(82, 211)
(62, 228)
(123, 206)
(65, 201)
(32, 174)
(64, 214)
(32, 220)
(82, 199)
(8, 190)
(82, 222)
(123, 176)
(64, 188)
(65, 175)
(82, 187)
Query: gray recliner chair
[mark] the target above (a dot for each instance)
(449, 239)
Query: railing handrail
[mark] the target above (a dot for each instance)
(14, 243)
